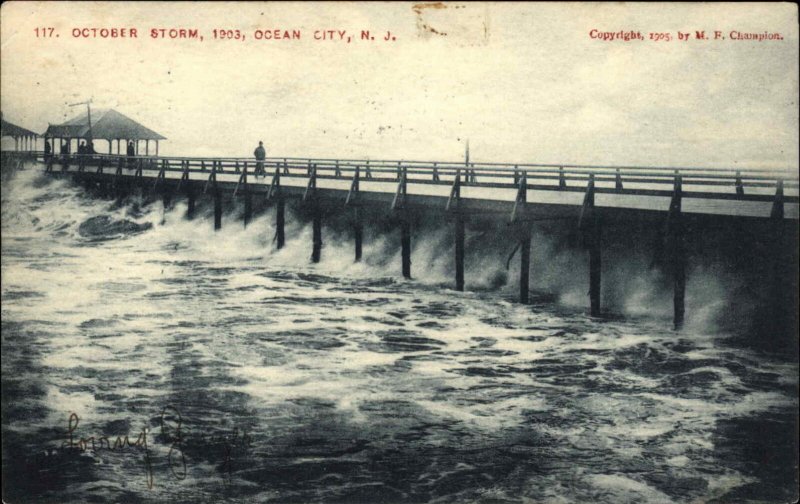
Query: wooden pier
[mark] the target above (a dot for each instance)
(510, 194)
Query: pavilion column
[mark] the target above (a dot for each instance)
(16, 143)
(110, 144)
(147, 147)
(156, 148)
(137, 147)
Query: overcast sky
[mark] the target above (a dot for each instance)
(524, 82)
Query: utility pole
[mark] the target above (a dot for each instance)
(88, 114)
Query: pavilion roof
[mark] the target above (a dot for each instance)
(12, 130)
(107, 124)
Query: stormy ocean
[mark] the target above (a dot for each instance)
(147, 358)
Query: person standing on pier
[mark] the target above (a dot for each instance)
(131, 151)
(48, 150)
(260, 155)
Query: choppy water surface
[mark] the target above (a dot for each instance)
(253, 376)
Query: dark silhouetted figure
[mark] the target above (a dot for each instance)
(65, 155)
(131, 152)
(260, 155)
(48, 150)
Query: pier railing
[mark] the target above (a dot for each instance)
(708, 183)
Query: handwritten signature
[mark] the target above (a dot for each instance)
(172, 432)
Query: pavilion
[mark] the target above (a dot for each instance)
(24, 139)
(106, 125)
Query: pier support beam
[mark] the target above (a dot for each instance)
(358, 231)
(455, 201)
(217, 209)
(317, 227)
(248, 199)
(591, 226)
(525, 264)
(400, 204)
(310, 194)
(679, 282)
(595, 268)
(782, 301)
(460, 234)
(190, 196)
(280, 235)
(676, 249)
(405, 242)
(520, 206)
(358, 226)
(275, 190)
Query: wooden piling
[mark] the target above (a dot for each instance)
(780, 275)
(405, 239)
(455, 197)
(217, 209)
(279, 222)
(248, 198)
(358, 230)
(595, 268)
(590, 224)
(679, 281)
(525, 264)
(676, 245)
(190, 197)
(317, 225)
(358, 225)
(460, 233)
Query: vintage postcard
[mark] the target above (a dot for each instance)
(406, 252)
